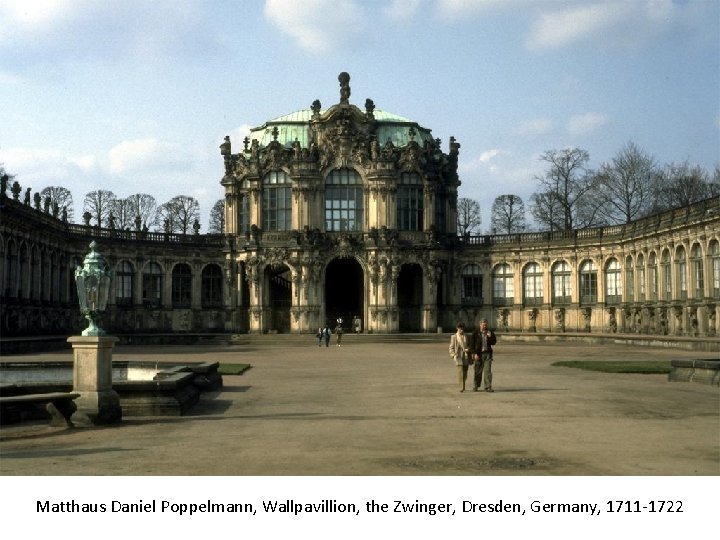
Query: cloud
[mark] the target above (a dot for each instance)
(585, 123)
(616, 23)
(536, 126)
(485, 162)
(144, 154)
(318, 25)
(460, 9)
(51, 31)
(29, 163)
(35, 15)
(485, 157)
(401, 10)
(560, 28)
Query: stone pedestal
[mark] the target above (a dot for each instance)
(92, 378)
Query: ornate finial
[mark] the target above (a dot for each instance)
(369, 106)
(275, 132)
(315, 107)
(344, 79)
(246, 142)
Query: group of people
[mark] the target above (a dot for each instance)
(475, 350)
(324, 333)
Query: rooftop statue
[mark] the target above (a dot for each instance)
(344, 79)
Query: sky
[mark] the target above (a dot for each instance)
(136, 96)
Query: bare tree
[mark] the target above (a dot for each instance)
(98, 203)
(508, 215)
(178, 214)
(217, 217)
(122, 212)
(715, 182)
(681, 184)
(60, 196)
(623, 188)
(561, 201)
(468, 217)
(145, 206)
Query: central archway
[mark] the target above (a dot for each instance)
(410, 297)
(279, 299)
(344, 291)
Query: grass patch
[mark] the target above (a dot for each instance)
(233, 369)
(619, 366)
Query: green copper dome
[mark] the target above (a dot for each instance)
(296, 126)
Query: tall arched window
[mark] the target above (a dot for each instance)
(124, 284)
(243, 208)
(11, 270)
(503, 285)
(666, 276)
(440, 212)
(561, 284)
(63, 278)
(343, 201)
(697, 272)
(714, 252)
(653, 276)
(613, 282)
(533, 285)
(629, 280)
(472, 294)
(54, 278)
(588, 282)
(640, 267)
(410, 202)
(682, 275)
(35, 285)
(211, 291)
(24, 276)
(181, 286)
(75, 263)
(277, 202)
(152, 284)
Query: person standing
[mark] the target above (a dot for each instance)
(326, 334)
(481, 346)
(339, 332)
(460, 353)
(320, 335)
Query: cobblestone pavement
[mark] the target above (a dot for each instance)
(393, 409)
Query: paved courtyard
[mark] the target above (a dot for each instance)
(393, 409)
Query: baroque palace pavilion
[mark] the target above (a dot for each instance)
(350, 213)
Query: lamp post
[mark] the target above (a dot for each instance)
(92, 351)
(93, 286)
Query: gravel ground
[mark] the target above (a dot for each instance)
(393, 409)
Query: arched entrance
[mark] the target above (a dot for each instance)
(410, 298)
(279, 299)
(344, 291)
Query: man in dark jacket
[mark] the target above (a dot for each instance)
(481, 344)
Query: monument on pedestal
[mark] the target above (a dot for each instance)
(92, 351)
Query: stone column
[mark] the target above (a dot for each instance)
(92, 379)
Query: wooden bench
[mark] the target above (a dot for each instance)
(60, 405)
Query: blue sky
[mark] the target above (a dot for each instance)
(136, 96)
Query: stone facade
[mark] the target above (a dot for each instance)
(351, 213)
